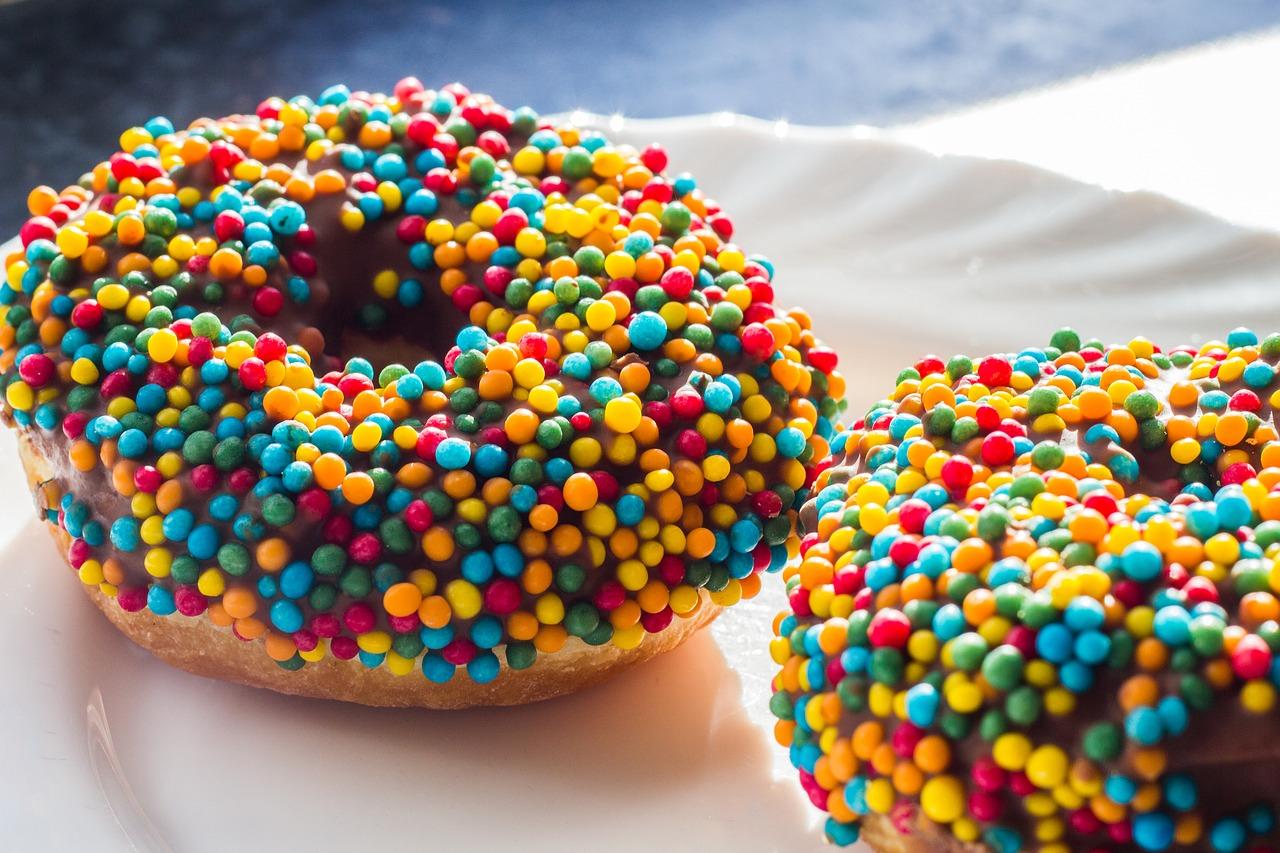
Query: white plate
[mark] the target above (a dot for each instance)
(897, 253)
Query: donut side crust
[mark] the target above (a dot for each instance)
(199, 646)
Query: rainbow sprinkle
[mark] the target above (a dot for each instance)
(1029, 583)
(606, 421)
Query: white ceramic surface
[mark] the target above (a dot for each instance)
(897, 253)
(1184, 123)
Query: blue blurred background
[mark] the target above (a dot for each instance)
(74, 73)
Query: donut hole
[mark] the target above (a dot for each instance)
(351, 314)
(1158, 476)
(355, 325)
(383, 349)
(1163, 488)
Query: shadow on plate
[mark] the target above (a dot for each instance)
(663, 755)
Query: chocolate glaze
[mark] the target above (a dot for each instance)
(326, 326)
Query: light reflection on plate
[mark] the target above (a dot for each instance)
(896, 253)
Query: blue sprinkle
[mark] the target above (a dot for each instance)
(472, 338)
(1054, 643)
(1075, 676)
(132, 443)
(854, 658)
(421, 202)
(1084, 614)
(1153, 831)
(223, 507)
(841, 834)
(299, 289)
(1258, 374)
(558, 469)
(360, 365)
(453, 453)
(286, 616)
(297, 477)
(262, 253)
(257, 232)
(576, 365)
(718, 397)
(483, 668)
(1261, 819)
(436, 638)
(410, 293)
(1241, 337)
(177, 525)
(524, 497)
(790, 441)
(1142, 561)
(93, 533)
(812, 648)
(296, 579)
(1173, 625)
(933, 560)
(328, 439)
(477, 567)
(1174, 716)
(948, 622)
(647, 330)
(809, 755)
(1100, 433)
(431, 374)
(431, 159)
(1233, 509)
(604, 389)
(410, 386)
(491, 460)
(203, 542)
(1003, 839)
(744, 535)
(486, 632)
(629, 509)
(855, 795)
(1227, 835)
(739, 564)
(1120, 789)
(1180, 792)
(880, 574)
(390, 167)
(1201, 519)
(124, 534)
(1144, 726)
(436, 668)
(508, 560)
(922, 704)
(158, 126)
(1092, 647)
(160, 601)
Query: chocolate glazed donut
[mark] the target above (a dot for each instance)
(1036, 605)
(407, 399)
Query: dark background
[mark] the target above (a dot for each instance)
(73, 74)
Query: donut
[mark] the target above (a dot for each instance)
(1036, 605)
(406, 399)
